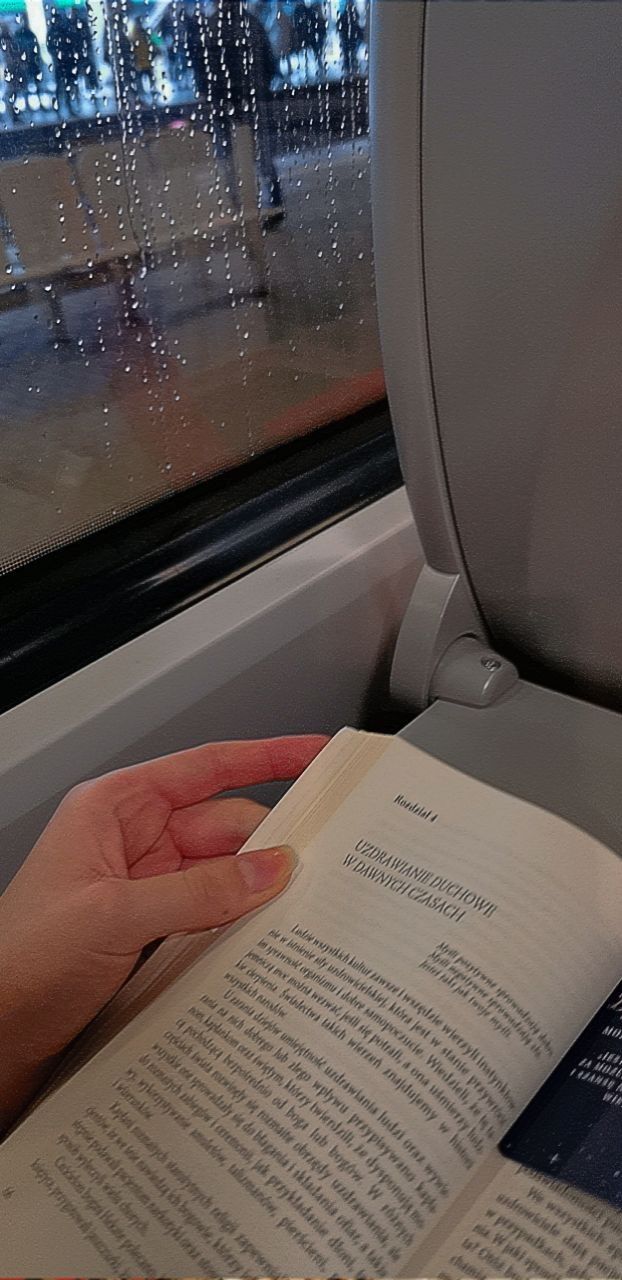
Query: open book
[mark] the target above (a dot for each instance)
(320, 1089)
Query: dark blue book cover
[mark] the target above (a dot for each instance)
(572, 1129)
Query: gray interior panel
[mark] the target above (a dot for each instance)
(301, 644)
(522, 233)
(396, 60)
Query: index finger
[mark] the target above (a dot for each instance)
(187, 777)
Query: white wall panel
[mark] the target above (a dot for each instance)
(296, 645)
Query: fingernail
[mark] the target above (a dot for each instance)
(264, 868)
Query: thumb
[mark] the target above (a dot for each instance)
(210, 894)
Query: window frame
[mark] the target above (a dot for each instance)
(71, 606)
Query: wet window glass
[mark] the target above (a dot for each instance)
(187, 276)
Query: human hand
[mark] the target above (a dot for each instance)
(126, 859)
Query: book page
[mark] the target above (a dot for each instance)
(312, 1094)
(516, 1223)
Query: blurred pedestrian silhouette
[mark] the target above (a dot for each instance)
(279, 27)
(234, 67)
(13, 70)
(142, 48)
(119, 54)
(23, 70)
(83, 54)
(62, 49)
(350, 36)
(310, 29)
(30, 57)
(173, 29)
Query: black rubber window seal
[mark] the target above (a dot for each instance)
(72, 606)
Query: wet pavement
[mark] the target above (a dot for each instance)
(192, 358)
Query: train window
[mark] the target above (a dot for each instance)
(186, 234)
